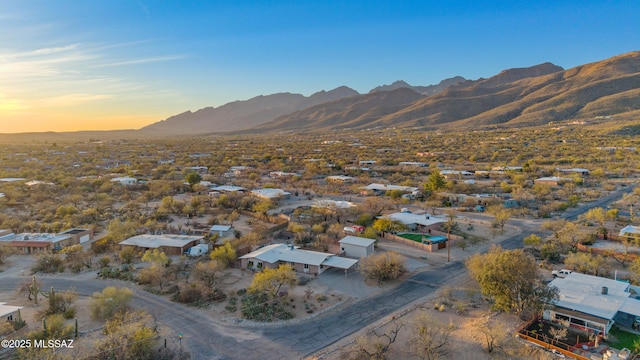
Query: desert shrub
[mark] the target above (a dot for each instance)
(256, 307)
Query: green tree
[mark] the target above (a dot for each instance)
(193, 178)
(388, 225)
(224, 254)
(512, 280)
(435, 182)
(270, 281)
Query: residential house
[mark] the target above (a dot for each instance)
(228, 189)
(8, 312)
(198, 169)
(552, 180)
(343, 179)
(381, 189)
(356, 247)
(412, 164)
(592, 304)
(125, 180)
(281, 174)
(579, 171)
(271, 194)
(33, 243)
(79, 236)
(304, 261)
(168, 243)
(630, 231)
(416, 222)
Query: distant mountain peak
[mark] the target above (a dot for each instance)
(424, 90)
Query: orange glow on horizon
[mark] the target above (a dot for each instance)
(21, 123)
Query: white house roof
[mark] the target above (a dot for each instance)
(125, 179)
(553, 178)
(37, 182)
(356, 240)
(583, 293)
(408, 218)
(330, 204)
(340, 177)
(228, 188)
(6, 310)
(455, 172)
(630, 229)
(340, 262)
(287, 253)
(156, 241)
(386, 187)
(12, 179)
(270, 193)
(220, 228)
(39, 237)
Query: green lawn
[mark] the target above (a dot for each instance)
(413, 237)
(622, 339)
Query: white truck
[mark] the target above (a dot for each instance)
(197, 250)
(560, 273)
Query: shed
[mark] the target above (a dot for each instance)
(357, 247)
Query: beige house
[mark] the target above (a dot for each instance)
(168, 243)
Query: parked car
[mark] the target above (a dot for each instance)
(560, 273)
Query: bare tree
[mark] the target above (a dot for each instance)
(376, 346)
(430, 340)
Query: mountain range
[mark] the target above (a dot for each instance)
(515, 97)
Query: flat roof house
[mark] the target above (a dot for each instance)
(168, 243)
(415, 222)
(552, 180)
(593, 304)
(305, 261)
(33, 243)
(9, 312)
(271, 194)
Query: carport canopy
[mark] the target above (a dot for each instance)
(340, 262)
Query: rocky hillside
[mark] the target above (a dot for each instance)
(240, 115)
(514, 97)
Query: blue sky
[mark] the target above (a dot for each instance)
(111, 64)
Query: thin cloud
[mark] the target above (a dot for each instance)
(71, 100)
(141, 61)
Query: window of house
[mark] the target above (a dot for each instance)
(306, 266)
(259, 265)
(250, 263)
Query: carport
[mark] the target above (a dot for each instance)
(340, 263)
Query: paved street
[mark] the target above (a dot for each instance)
(207, 339)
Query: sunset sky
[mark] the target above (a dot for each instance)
(123, 64)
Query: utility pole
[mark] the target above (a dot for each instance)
(449, 243)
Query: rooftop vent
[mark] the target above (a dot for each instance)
(605, 290)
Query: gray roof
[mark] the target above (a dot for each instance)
(340, 262)
(581, 292)
(282, 252)
(356, 240)
(156, 241)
